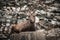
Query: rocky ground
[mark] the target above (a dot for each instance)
(47, 20)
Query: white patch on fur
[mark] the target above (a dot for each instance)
(36, 19)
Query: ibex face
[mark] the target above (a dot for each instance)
(31, 16)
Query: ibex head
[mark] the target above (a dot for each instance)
(31, 16)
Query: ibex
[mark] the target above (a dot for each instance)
(27, 25)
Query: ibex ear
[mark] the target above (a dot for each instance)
(27, 13)
(34, 14)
